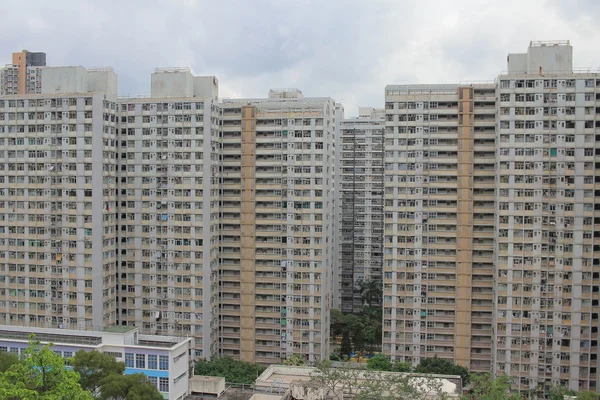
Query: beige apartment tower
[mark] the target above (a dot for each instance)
(439, 223)
(23, 75)
(277, 216)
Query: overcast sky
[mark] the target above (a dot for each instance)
(345, 49)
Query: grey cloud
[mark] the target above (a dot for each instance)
(345, 49)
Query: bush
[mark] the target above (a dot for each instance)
(232, 370)
(443, 367)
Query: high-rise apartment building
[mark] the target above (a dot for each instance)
(547, 277)
(439, 223)
(23, 76)
(490, 200)
(362, 204)
(169, 208)
(58, 216)
(171, 212)
(277, 215)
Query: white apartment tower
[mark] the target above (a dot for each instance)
(439, 223)
(546, 253)
(58, 236)
(362, 204)
(169, 208)
(277, 217)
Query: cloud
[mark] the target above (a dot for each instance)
(345, 49)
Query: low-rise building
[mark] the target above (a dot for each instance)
(295, 383)
(164, 360)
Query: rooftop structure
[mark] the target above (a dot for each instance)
(295, 383)
(23, 75)
(179, 82)
(542, 58)
(164, 359)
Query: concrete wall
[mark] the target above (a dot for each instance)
(64, 80)
(172, 84)
(76, 76)
(517, 63)
(261, 396)
(206, 87)
(207, 384)
(105, 81)
(337, 239)
(550, 58)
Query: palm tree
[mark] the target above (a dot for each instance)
(370, 292)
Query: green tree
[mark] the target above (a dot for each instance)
(41, 375)
(370, 292)
(360, 332)
(295, 360)
(346, 348)
(93, 367)
(559, 393)
(379, 362)
(128, 387)
(588, 396)
(487, 387)
(360, 384)
(400, 366)
(338, 322)
(232, 370)
(444, 367)
(7, 359)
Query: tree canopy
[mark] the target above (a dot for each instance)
(295, 360)
(362, 331)
(361, 384)
(6, 360)
(487, 387)
(93, 367)
(128, 387)
(559, 393)
(41, 375)
(232, 370)
(443, 366)
(380, 362)
(370, 292)
(588, 396)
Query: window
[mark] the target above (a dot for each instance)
(163, 384)
(115, 354)
(163, 363)
(153, 380)
(152, 361)
(129, 360)
(140, 361)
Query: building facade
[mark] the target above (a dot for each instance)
(58, 198)
(546, 283)
(361, 173)
(162, 212)
(164, 360)
(169, 209)
(23, 76)
(277, 216)
(439, 223)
